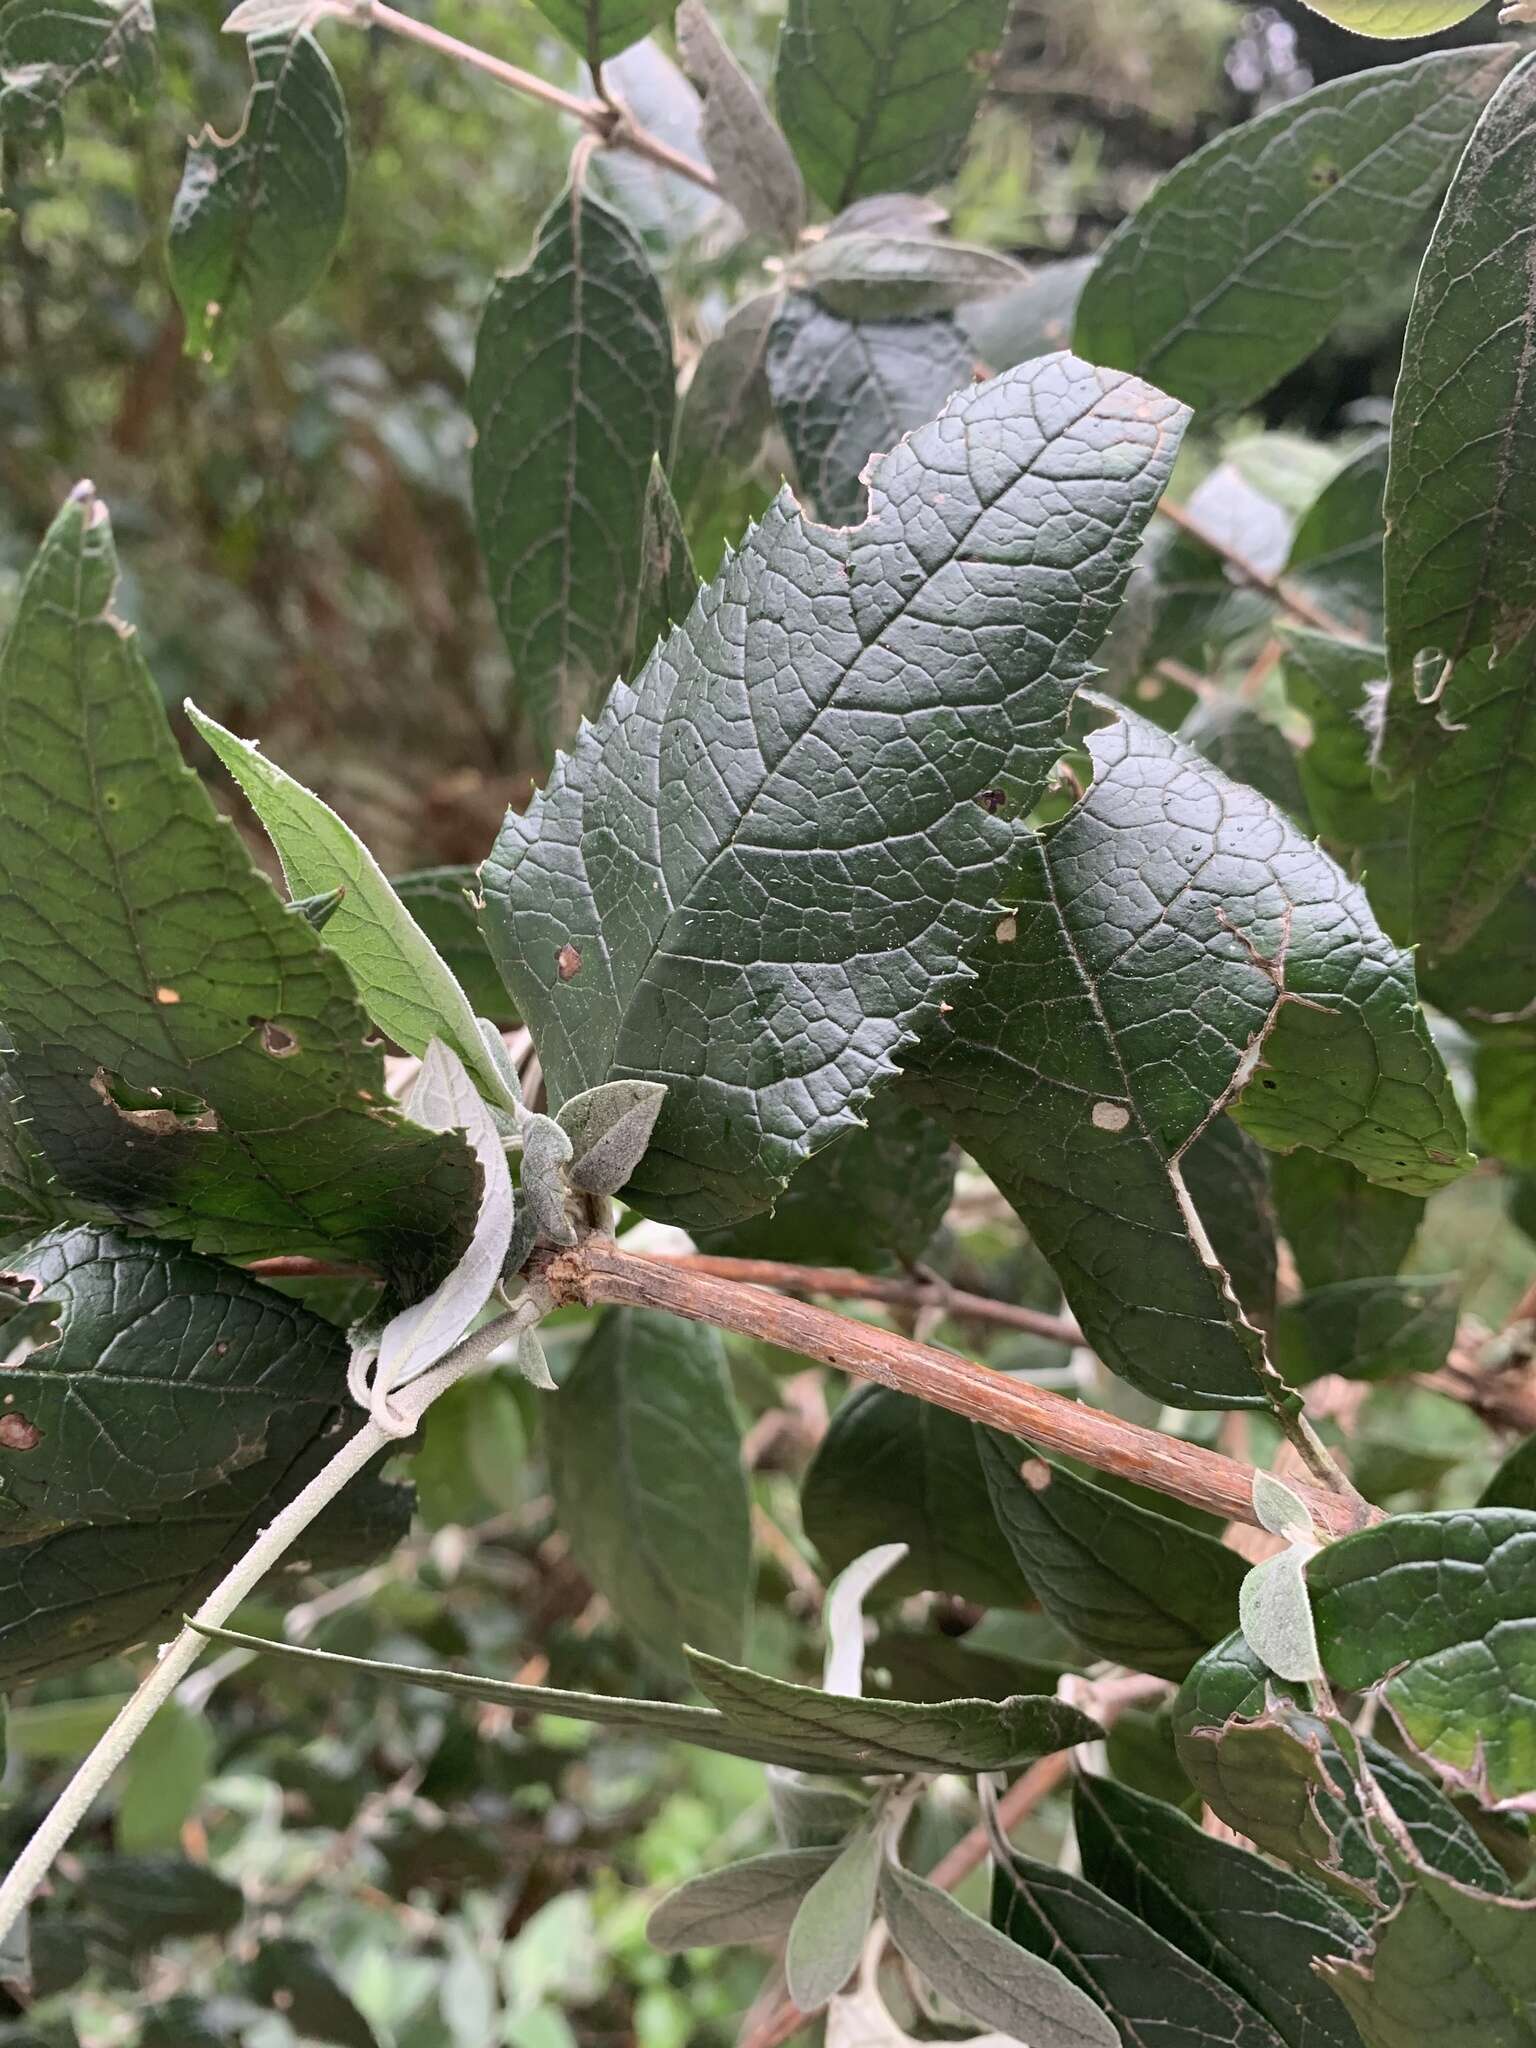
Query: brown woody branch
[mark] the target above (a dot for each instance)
(602, 1271)
(1288, 595)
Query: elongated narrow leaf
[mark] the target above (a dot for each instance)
(752, 1901)
(1315, 199)
(746, 147)
(405, 985)
(1146, 1986)
(645, 1466)
(48, 47)
(1165, 883)
(891, 1735)
(1449, 1965)
(1396, 18)
(441, 901)
(726, 409)
(891, 1469)
(1339, 1225)
(601, 28)
(687, 949)
(893, 276)
(190, 1053)
(1370, 1329)
(156, 1373)
(1127, 1583)
(1418, 1605)
(880, 97)
(258, 217)
(833, 1922)
(571, 397)
(668, 582)
(1257, 1928)
(845, 390)
(984, 1973)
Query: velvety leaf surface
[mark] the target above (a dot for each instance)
(880, 97)
(890, 1735)
(1448, 1965)
(1236, 267)
(571, 397)
(257, 219)
(752, 1901)
(848, 389)
(1369, 1329)
(48, 48)
(601, 28)
(1129, 1584)
(668, 582)
(442, 900)
(644, 1453)
(1461, 504)
(754, 876)
(1442, 1609)
(1336, 553)
(874, 1198)
(1248, 748)
(833, 1922)
(896, 276)
(1156, 1996)
(1257, 1928)
(894, 1470)
(746, 147)
(1171, 944)
(1339, 1225)
(191, 1054)
(159, 1377)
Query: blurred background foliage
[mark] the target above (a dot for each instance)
(286, 1859)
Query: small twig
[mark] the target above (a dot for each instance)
(1289, 596)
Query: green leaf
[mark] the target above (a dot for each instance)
(48, 47)
(698, 960)
(294, 1978)
(1276, 1616)
(1455, 581)
(1149, 1989)
(1129, 1584)
(571, 397)
(880, 97)
(30, 1198)
(404, 984)
(200, 1069)
(832, 1924)
(895, 276)
(1227, 1177)
(1371, 1329)
(1448, 1965)
(1395, 18)
(983, 1973)
(258, 216)
(1336, 553)
(752, 1901)
(165, 1774)
(1248, 748)
(889, 1735)
(1316, 197)
(1339, 1225)
(609, 1128)
(601, 28)
(874, 1198)
(1257, 1928)
(1033, 319)
(254, 17)
(848, 389)
(726, 409)
(442, 902)
(1166, 883)
(894, 1470)
(148, 1900)
(1514, 1484)
(668, 582)
(473, 1458)
(645, 1467)
(756, 170)
(1506, 1100)
(1440, 1611)
(158, 1374)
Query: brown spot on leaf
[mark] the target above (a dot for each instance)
(167, 995)
(147, 1112)
(277, 1041)
(17, 1434)
(568, 962)
(1007, 930)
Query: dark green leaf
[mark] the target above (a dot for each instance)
(571, 397)
(983, 1973)
(1440, 1611)
(442, 901)
(601, 28)
(1372, 1329)
(1461, 506)
(833, 1921)
(200, 1068)
(745, 145)
(848, 389)
(896, 276)
(1339, 1225)
(1033, 319)
(726, 409)
(752, 1901)
(876, 1196)
(48, 47)
(30, 1198)
(150, 1899)
(258, 217)
(1315, 199)
(1152, 1992)
(1448, 1965)
(668, 582)
(1506, 1100)
(645, 1466)
(1227, 1177)
(880, 97)
(1514, 1484)
(1129, 1584)
(894, 1470)
(294, 1977)
(860, 647)
(890, 1735)
(473, 1459)
(909, 1664)
(1336, 555)
(1255, 1927)
(1248, 748)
